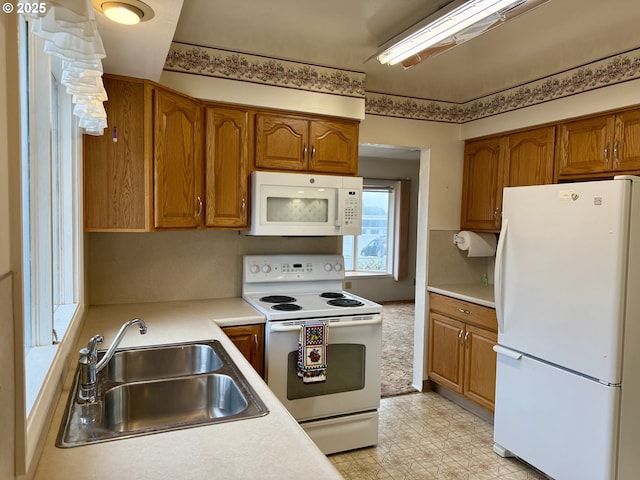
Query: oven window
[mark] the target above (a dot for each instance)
(345, 372)
(286, 209)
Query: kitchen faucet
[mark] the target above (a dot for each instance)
(88, 361)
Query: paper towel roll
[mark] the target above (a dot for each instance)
(476, 244)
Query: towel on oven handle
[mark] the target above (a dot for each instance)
(312, 352)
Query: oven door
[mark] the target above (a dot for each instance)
(353, 367)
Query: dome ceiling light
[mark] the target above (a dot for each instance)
(126, 12)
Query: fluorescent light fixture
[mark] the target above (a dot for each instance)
(126, 12)
(443, 27)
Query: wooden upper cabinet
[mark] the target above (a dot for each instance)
(226, 166)
(334, 147)
(529, 157)
(599, 146)
(490, 164)
(481, 185)
(178, 178)
(585, 146)
(117, 165)
(282, 142)
(303, 144)
(626, 144)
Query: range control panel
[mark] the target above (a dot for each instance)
(287, 268)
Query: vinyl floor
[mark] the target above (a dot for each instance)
(424, 436)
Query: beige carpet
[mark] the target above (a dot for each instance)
(397, 348)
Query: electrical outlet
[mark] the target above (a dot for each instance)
(347, 285)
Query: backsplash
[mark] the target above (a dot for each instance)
(180, 265)
(450, 265)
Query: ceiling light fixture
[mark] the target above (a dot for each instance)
(126, 12)
(432, 31)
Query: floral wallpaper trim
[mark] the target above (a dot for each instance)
(601, 73)
(269, 71)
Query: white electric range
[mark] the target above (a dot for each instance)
(340, 413)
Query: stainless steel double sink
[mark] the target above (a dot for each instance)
(159, 388)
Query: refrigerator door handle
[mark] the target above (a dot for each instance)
(500, 350)
(499, 274)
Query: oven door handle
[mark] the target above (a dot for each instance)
(274, 327)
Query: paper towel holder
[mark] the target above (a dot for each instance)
(457, 239)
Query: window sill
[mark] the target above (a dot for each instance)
(367, 275)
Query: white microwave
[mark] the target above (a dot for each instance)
(296, 204)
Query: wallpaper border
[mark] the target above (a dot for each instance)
(219, 63)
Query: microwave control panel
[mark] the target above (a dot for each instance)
(351, 212)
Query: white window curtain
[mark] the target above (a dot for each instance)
(70, 33)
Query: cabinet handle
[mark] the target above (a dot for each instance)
(243, 206)
(606, 154)
(466, 312)
(615, 153)
(304, 151)
(199, 207)
(466, 337)
(460, 336)
(496, 214)
(255, 341)
(313, 152)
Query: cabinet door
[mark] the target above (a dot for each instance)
(178, 199)
(446, 352)
(529, 158)
(226, 164)
(480, 366)
(585, 146)
(250, 341)
(282, 142)
(626, 147)
(334, 147)
(117, 173)
(481, 187)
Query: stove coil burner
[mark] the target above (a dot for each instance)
(345, 302)
(277, 299)
(332, 295)
(286, 307)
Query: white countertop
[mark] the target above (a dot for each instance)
(469, 292)
(272, 446)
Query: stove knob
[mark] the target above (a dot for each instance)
(266, 268)
(337, 267)
(254, 268)
(327, 267)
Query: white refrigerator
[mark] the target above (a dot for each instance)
(567, 287)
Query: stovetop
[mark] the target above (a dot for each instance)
(300, 286)
(310, 305)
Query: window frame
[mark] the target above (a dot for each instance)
(372, 185)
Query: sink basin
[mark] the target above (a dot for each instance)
(149, 390)
(161, 362)
(137, 406)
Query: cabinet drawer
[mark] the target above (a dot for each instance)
(467, 312)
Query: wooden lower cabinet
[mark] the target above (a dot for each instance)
(461, 356)
(249, 339)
